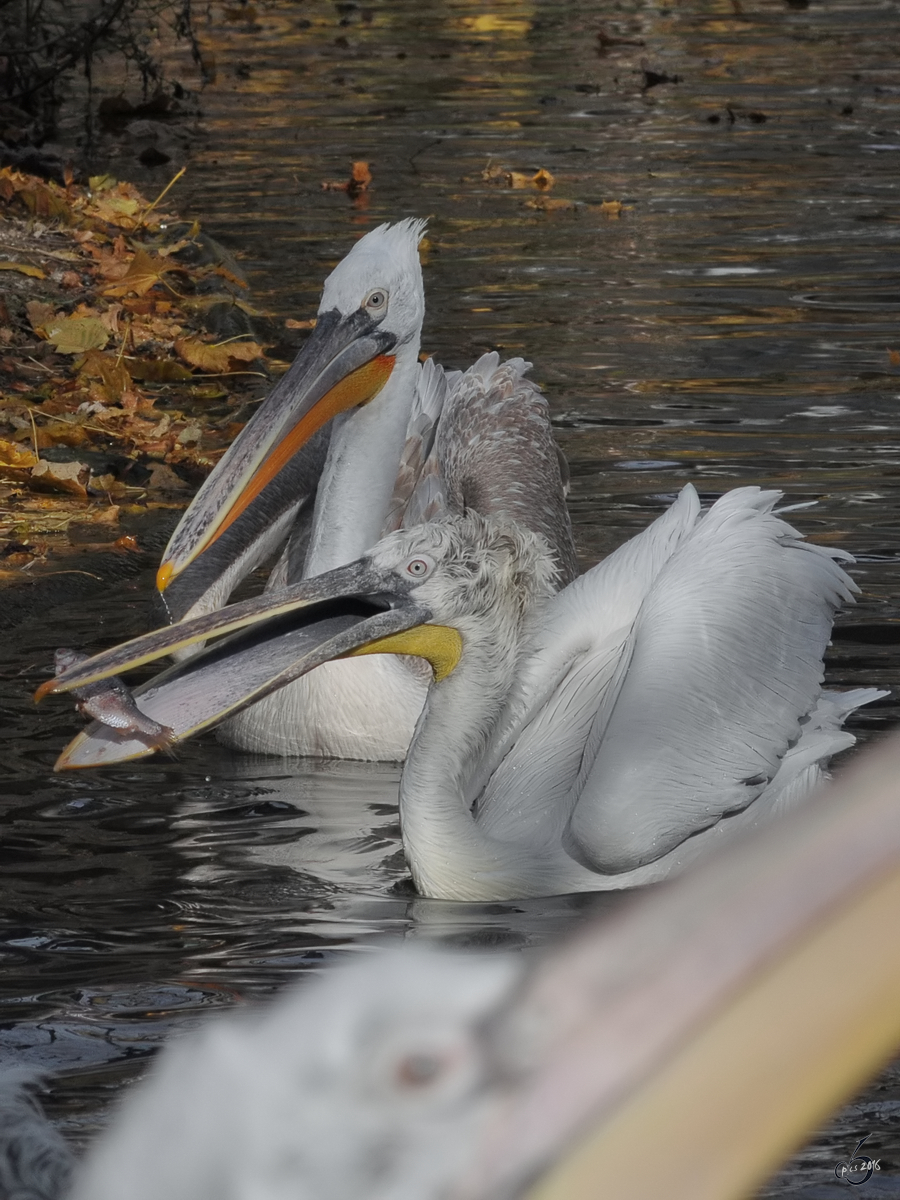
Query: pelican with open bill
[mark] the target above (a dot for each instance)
(358, 439)
(345, 363)
(262, 645)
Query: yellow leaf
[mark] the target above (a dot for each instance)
(611, 209)
(110, 207)
(542, 179)
(12, 455)
(75, 335)
(494, 23)
(549, 204)
(220, 358)
(143, 272)
(23, 269)
(100, 183)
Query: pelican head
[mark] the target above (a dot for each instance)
(424, 592)
(367, 331)
(468, 570)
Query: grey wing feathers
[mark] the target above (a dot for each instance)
(35, 1161)
(419, 493)
(497, 454)
(726, 667)
(567, 681)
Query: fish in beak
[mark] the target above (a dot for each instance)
(248, 503)
(262, 644)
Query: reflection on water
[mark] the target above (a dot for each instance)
(731, 324)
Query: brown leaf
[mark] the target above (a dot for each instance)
(164, 479)
(360, 175)
(39, 314)
(145, 271)
(43, 201)
(218, 358)
(107, 485)
(894, 356)
(157, 370)
(230, 276)
(290, 323)
(70, 477)
(23, 269)
(360, 178)
(63, 433)
(114, 376)
(103, 527)
(110, 318)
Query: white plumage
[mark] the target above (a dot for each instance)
(605, 736)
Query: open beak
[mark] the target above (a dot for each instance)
(345, 363)
(263, 644)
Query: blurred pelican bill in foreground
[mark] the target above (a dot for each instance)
(682, 1048)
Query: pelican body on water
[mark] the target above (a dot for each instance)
(577, 733)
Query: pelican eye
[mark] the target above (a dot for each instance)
(418, 567)
(419, 1070)
(375, 303)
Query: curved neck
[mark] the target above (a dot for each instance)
(360, 471)
(449, 856)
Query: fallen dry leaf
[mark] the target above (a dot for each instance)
(102, 527)
(290, 323)
(218, 358)
(611, 209)
(360, 178)
(13, 455)
(71, 477)
(111, 372)
(157, 370)
(541, 179)
(549, 204)
(894, 356)
(39, 314)
(75, 335)
(164, 479)
(144, 272)
(23, 269)
(85, 398)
